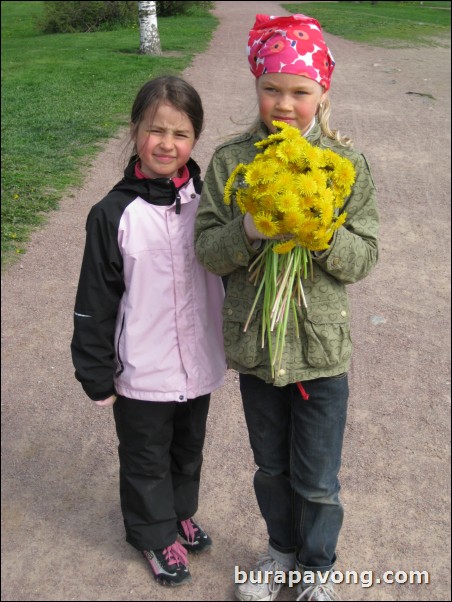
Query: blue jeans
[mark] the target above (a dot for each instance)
(297, 446)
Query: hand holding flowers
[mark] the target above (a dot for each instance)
(254, 234)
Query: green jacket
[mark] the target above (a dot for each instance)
(324, 345)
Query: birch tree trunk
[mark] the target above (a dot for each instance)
(149, 33)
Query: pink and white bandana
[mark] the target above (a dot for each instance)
(293, 45)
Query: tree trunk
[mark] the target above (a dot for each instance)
(149, 33)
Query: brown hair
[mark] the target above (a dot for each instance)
(174, 91)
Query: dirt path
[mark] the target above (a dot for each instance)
(61, 524)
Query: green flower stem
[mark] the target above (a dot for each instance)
(282, 325)
(275, 266)
(282, 287)
(258, 260)
(302, 294)
(311, 267)
(295, 318)
(280, 278)
(303, 258)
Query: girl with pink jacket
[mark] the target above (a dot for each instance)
(147, 327)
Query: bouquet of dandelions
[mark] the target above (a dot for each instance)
(294, 191)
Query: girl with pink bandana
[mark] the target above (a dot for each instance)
(295, 415)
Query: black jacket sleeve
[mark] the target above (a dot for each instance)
(100, 288)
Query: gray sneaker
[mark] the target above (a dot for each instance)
(265, 572)
(318, 592)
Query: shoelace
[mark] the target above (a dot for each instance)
(269, 564)
(189, 529)
(318, 592)
(176, 554)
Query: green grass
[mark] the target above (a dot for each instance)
(65, 94)
(389, 24)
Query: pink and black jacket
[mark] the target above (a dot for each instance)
(147, 321)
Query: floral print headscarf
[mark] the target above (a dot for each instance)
(293, 45)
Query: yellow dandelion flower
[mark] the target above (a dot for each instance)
(343, 177)
(322, 235)
(306, 185)
(345, 173)
(269, 141)
(284, 247)
(272, 139)
(319, 245)
(266, 224)
(338, 198)
(293, 188)
(325, 210)
(301, 165)
(288, 131)
(292, 221)
(263, 143)
(328, 195)
(259, 190)
(307, 231)
(244, 201)
(267, 204)
(287, 201)
(258, 157)
(340, 193)
(313, 156)
(340, 221)
(255, 172)
(305, 203)
(320, 178)
(330, 158)
(228, 188)
(272, 189)
(289, 151)
(285, 180)
(270, 153)
(272, 171)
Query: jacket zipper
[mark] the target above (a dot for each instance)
(120, 368)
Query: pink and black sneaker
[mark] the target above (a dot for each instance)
(169, 565)
(193, 538)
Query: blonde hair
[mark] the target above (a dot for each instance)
(323, 117)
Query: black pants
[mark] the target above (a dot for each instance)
(160, 458)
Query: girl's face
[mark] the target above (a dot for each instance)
(293, 99)
(164, 140)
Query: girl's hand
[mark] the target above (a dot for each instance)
(253, 233)
(106, 403)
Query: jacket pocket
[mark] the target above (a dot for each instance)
(243, 348)
(327, 327)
